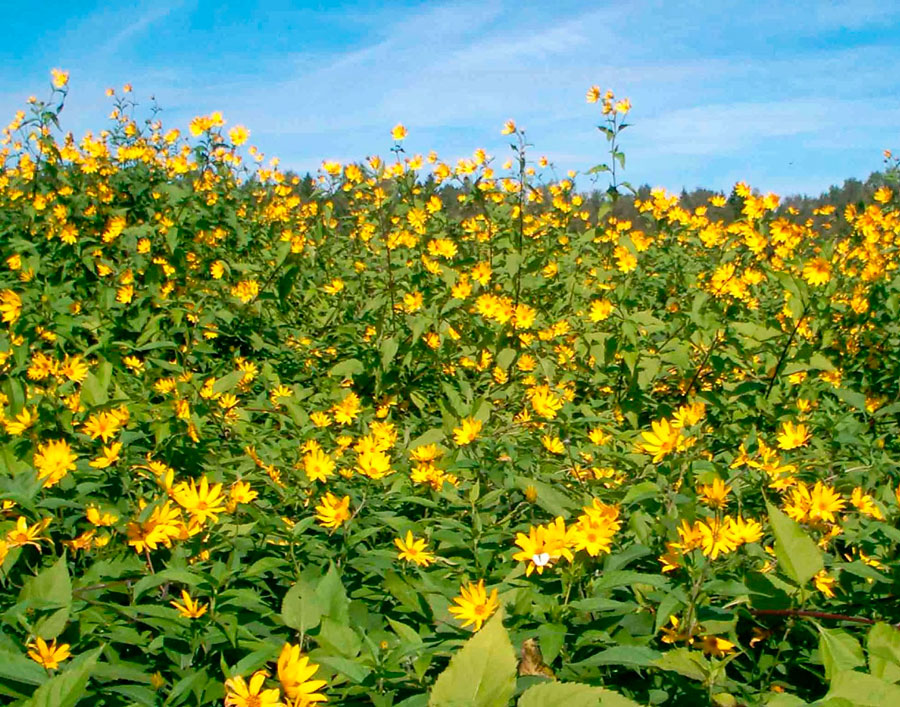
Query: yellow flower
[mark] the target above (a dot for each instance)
(793, 436)
(50, 656)
(882, 195)
(509, 127)
(240, 492)
(189, 608)
(467, 432)
(474, 605)
(98, 518)
(53, 461)
(593, 94)
(824, 502)
(600, 310)
(109, 457)
(543, 545)
(817, 271)
(59, 78)
(104, 425)
(864, 503)
(317, 465)
(331, 512)
(715, 646)
(413, 550)
(347, 410)
(664, 439)
(716, 538)
(553, 445)
(399, 132)
(10, 306)
(23, 534)
(25, 419)
(294, 673)
(201, 501)
(238, 135)
(545, 402)
(239, 693)
(824, 583)
(715, 495)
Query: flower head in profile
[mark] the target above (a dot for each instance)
(509, 127)
(474, 605)
(189, 608)
(294, 673)
(48, 656)
(414, 550)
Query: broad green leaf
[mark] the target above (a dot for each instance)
(388, 351)
(640, 656)
(572, 694)
(862, 689)
(347, 369)
(302, 608)
(482, 673)
(883, 646)
(227, 382)
(839, 651)
(19, 667)
(686, 662)
(51, 586)
(798, 556)
(333, 597)
(95, 386)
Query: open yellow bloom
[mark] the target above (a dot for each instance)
(333, 512)
(474, 605)
(203, 502)
(467, 432)
(398, 132)
(414, 550)
(793, 436)
(240, 693)
(48, 656)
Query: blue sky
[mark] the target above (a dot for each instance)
(791, 97)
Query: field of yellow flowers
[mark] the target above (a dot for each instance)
(372, 445)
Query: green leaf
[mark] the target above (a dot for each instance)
(554, 502)
(51, 586)
(347, 369)
(839, 651)
(683, 661)
(572, 694)
(863, 690)
(388, 351)
(641, 656)
(798, 556)
(15, 666)
(482, 673)
(227, 382)
(95, 386)
(301, 608)
(883, 646)
(65, 689)
(333, 596)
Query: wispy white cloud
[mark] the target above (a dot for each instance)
(708, 92)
